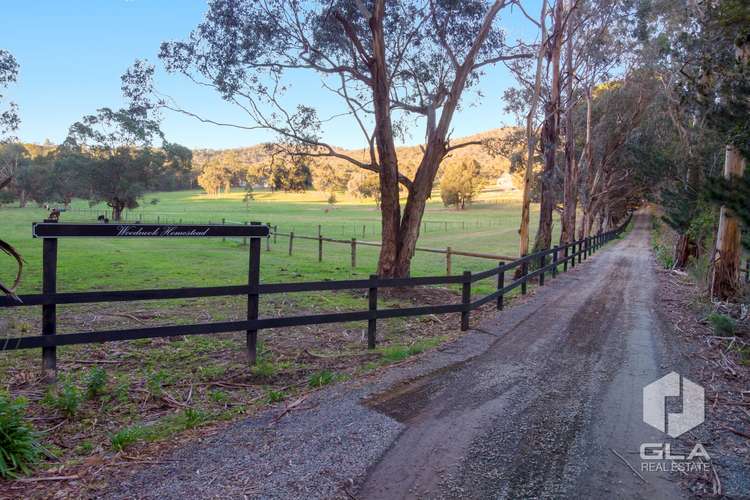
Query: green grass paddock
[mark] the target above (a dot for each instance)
(490, 225)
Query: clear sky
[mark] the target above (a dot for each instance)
(72, 53)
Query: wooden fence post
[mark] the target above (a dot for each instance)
(253, 298)
(542, 263)
(573, 254)
(354, 253)
(565, 256)
(500, 284)
(466, 300)
(268, 238)
(49, 312)
(320, 248)
(291, 242)
(580, 250)
(524, 273)
(372, 299)
(448, 261)
(555, 249)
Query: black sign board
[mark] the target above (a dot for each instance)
(59, 230)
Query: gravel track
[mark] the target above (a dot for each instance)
(530, 404)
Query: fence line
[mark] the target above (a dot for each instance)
(354, 229)
(549, 262)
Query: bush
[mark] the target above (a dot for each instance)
(19, 447)
(723, 325)
(96, 382)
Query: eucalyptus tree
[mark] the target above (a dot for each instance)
(581, 42)
(715, 50)
(392, 65)
(114, 148)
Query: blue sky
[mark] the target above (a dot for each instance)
(72, 53)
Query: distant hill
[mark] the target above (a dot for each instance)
(493, 167)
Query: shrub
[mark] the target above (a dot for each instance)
(723, 325)
(319, 379)
(96, 382)
(19, 447)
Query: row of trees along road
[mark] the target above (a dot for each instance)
(631, 101)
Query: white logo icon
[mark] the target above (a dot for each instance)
(654, 404)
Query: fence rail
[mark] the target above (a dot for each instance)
(549, 262)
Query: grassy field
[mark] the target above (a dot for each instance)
(129, 401)
(489, 226)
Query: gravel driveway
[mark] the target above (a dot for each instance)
(534, 403)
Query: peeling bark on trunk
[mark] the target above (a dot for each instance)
(570, 189)
(725, 278)
(390, 208)
(523, 230)
(400, 233)
(550, 133)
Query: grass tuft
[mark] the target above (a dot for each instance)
(19, 447)
(96, 382)
(321, 378)
(722, 324)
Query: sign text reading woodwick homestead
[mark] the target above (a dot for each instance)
(58, 230)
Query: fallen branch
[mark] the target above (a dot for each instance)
(628, 464)
(739, 433)
(49, 478)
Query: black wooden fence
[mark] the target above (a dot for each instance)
(537, 265)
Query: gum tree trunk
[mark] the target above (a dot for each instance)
(570, 189)
(550, 133)
(523, 230)
(725, 278)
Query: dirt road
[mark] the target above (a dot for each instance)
(531, 404)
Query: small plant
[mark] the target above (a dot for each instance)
(19, 447)
(211, 372)
(395, 353)
(275, 396)
(263, 368)
(218, 396)
(127, 436)
(85, 448)
(723, 325)
(96, 382)
(67, 399)
(664, 256)
(155, 383)
(192, 418)
(122, 391)
(319, 379)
